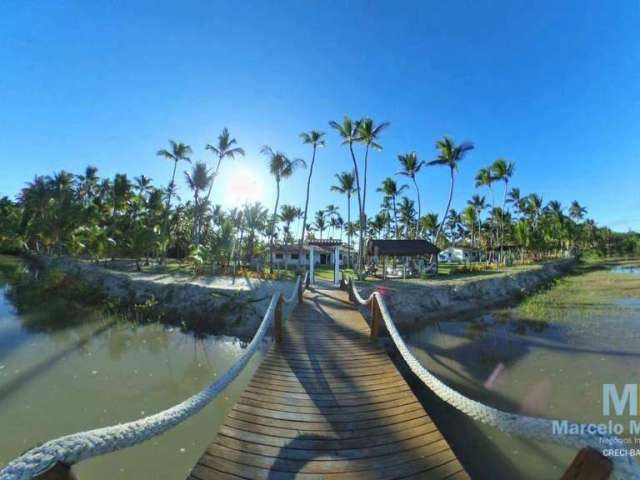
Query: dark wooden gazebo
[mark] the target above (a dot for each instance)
(401, 248)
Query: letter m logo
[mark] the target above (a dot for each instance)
(629, 396)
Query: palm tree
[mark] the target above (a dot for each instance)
(407, 211)
(143, 185)
(368, 133)
(224, 148)
(320, 223)
(331, 212)
(450, 156)
(503, 170)
(577, 211)
(288, 215)
(316, 140)
(88, 184)
(478, 204)
(281, 167)
(410, 168)
(470, 218)
(255, 220)
(348, 131)
(178, 152)
(514, 198)
(346, 186)
(429, 223)
(198, 180)
(391, 191)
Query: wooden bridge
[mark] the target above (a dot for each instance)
(325, 403)
(328, 403)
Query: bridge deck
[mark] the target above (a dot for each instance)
(327, 403)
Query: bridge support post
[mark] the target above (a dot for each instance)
(350, 287)
(376, 318)
(589, 464)
(301, 288)
(59, 471)
(279, 327)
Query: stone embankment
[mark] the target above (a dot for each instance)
(207, 304)
(413, 303)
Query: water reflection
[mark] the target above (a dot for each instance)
(631, 269)
(513, 360)
(65, 368)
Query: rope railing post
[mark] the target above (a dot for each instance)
(301, 288)
(376, 319)
(59, 471)
(279, 314)
(589, 464)
(350, 287)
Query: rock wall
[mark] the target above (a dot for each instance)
(195, 305)
(412, 304)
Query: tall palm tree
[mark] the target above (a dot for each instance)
(410, 168)
(348, 131)
(368, 133)
(391, 191)
(179, 152)
(469, 217)
(198, 180)
(346, 185)
(281, 167)
(316, 140)
(224, 149)
(503, 170)
(478, 204)
(450, 156)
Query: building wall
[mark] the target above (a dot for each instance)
(291, 259)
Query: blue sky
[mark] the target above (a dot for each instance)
(552, 86)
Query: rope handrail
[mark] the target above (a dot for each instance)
(536, 428)
(73, 448)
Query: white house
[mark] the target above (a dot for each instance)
(459, 254)
(289, 255)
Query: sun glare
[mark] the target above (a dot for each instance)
(241, 186)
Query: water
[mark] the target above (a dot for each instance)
(64, 370)
(547, 358)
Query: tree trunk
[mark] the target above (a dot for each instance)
(360, 218)
(306, 207)
(166, 213)
(415, 184)
(349, 230)
(446, 211)
(273, 224)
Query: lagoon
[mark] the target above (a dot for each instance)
(65, 368)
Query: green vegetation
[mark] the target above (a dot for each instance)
(100, 218)
(592, 284)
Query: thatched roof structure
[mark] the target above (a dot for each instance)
(401, 248)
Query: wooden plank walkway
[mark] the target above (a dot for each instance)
(327, 403)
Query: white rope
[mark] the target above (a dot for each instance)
(625, 467)
(76, 447)
(356, 294)
(294, 295)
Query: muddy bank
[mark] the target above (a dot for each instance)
(413, 304)
(206, 305)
